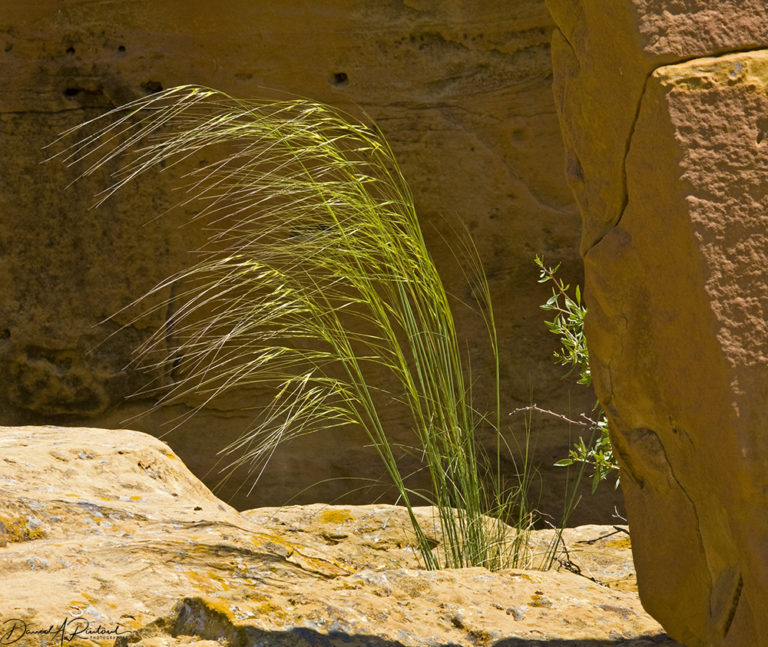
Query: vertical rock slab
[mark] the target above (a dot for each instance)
(603, 52)
(671, 177)
(679, 299)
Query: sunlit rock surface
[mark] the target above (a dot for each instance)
(663, 111)
(111, 528)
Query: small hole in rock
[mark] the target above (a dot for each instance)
(151, 87)
(339, 79)
(121, 49)
(70, 50)
(5, 333)
(574, 169)
(762, 129)
(71, 93)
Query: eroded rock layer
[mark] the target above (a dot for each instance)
(663, 111)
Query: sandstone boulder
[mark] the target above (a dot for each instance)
(108, 539)
(673, 197)
(461, 91)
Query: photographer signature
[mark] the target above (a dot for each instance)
(14, 629)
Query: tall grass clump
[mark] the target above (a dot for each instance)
(315, 281)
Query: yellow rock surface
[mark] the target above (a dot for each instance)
(176, 566)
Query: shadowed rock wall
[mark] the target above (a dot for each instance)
(663, 110)
(463, 94)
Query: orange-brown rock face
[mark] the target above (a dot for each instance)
(461, 91)
(673, 197)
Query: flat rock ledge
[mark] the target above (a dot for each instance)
(107, 538)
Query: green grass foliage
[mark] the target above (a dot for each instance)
(315, 280)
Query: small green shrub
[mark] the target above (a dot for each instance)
(316, 279)
(568, 325)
